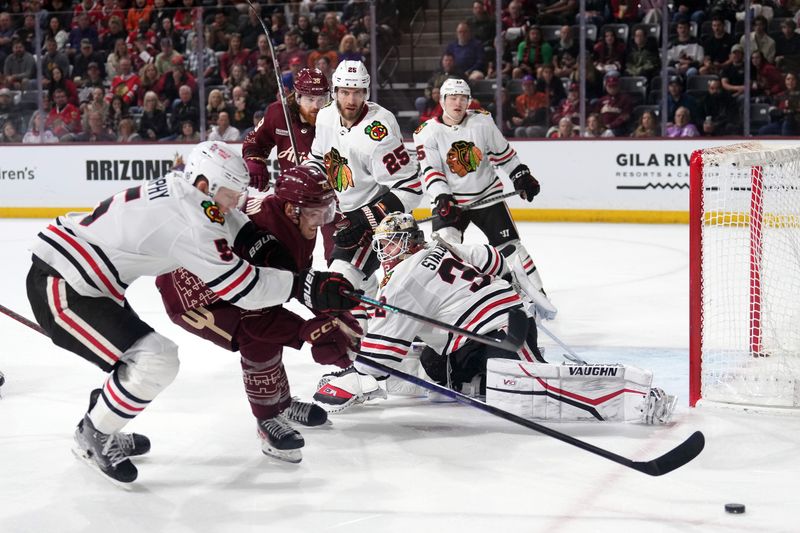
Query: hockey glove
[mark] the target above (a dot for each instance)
(262, 249)
(259, 176)
(524, 181)
(331, 337)
(323, 291)
(353, 230)
(447, 209)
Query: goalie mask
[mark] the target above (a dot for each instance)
(219, 165)
(396, 238)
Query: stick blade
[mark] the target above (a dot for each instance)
(675, 458)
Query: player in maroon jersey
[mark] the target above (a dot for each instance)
(311, 93)
(303, 201)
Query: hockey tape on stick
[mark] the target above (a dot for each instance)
(515, 335)
(476, 204)
(675, 458)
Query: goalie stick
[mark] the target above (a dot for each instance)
(675, 458)
(476, 204)
(515, 335)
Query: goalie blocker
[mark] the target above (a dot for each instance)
(568, 392)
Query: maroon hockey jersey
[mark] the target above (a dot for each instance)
(272, 131)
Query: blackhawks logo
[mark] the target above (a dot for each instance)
(212, 212)
(340, 176)
(376, 131)
(463, 157)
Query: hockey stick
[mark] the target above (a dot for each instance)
(515, 336)
(571, 355)
(675, 458)
(22, 320)
(476, 204)
(277, 69)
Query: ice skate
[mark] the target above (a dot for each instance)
(132, 444)
(343, 389)
(280, 440)
(306, 413)
(104, 452)
(658, 407)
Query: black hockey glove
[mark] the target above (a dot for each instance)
(323, 291)
(447, 209)
(524, 181)
(262, 249)
(356, 228)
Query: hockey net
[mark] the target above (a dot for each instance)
(745, 275)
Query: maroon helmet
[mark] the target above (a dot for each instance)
(305, 187)
(311, 81)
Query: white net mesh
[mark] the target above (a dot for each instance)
(751, 275)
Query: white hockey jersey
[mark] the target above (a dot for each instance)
(435, 283)
(152, 229)
(364, 162)
(461, 160)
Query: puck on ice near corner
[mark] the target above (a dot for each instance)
(735, 508)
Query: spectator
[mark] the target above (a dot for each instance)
(116, 31)
(97, 131)
(112, 61)
(641, 60)
(93, 79)
(153, 122)
(238, 78)
(566, 65)
(126, 83)
(250, 29)
(19, 66)
(258, 116)
(235, 55)
(126, 132)
(685, 54)
(184, 109)
(566, 44)
(532, 53)
(242, 112)
(140, 11)
(677, 98)
(331, 25)
(786, 121)
(52, 58)
(595, 12)
(9, 112)
(169, 84)
(7, 31)
(352, 12)
(481, 25)
(167, 31)
(306, 32)
(291, 50)
(570, 107)
(564, 130)
(448, 70)
(720, 112)
(264, 83)
(532, 110)
(550, 85)
(38, 133)
(82, 60)
(216, 105)
(557, 12)
(324, 66)
(278, 27)
(348, 50)
(624, 11)
(27, 33)
(210, 63)
(117, 111)
(159, 14)
(759, 40)
(733, 75)
(693, 10)
(468, 53)
(10, 133)
(767, 79)
(682, 127)
(787, 42)
(149, 81)
(87, 7)
(189, 133)
(614, 107)
(57, 33)
(164, 60)
(64, 118)
(514, 22)
(83, 30)
(295, 64)
(261, 49)
(717, 45)
(143, 46)
(185, 16)
(223, 131)
(648, 126)
(95, 104)
(60, 82)
(595, 127)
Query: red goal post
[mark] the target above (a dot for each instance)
(744, 253)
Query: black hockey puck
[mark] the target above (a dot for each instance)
(735, 508)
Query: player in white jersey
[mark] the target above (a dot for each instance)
(462, 287)
(459, 153)
(358, 145)
(83, 264)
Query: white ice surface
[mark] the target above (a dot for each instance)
(404, 464)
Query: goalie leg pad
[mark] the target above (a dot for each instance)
(347, 388)
(571, 392)
(410, 365)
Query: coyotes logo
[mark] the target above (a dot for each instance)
(212, 212)
(463, 157)
(376, 131)
(339, 174)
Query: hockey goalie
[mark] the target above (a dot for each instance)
(472, 287)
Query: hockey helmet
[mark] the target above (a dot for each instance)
(311, 81)
(454, 86)
(351, 74)
(219, 165)
(396, 238)
(308, 189)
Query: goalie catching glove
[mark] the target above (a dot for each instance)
(524, 181)
(356, 228)
(323, 291)
(447, 209)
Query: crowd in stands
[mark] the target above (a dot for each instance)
(130, 70)
(705, 67)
